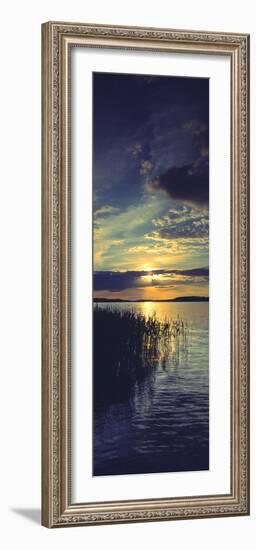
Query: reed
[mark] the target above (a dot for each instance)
(128, 348)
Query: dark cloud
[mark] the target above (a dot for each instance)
(114, 280)
(196, 272)
(195, 127)
(184, 183)
(187, 230)
(121, 280)
(200, 137)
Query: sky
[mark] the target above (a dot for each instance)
(150, 186)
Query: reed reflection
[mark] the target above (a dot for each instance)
(151, 373)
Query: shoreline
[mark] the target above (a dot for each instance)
(188, 299)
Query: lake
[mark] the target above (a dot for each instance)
(164, 425)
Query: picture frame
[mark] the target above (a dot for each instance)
(58, 40)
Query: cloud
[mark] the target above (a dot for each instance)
(184, 184)
(106, 210)
(181, 223)
(115, 281)
(126, 226)
(182, 214)
(146, 167)
(151, 234)
(135, 149)
(196, 272)
(194, 127)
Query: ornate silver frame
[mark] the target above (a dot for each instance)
(57, 41)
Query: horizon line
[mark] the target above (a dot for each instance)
(177, 299)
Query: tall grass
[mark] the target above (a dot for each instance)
(128, 348)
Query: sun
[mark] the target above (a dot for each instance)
(146, 267)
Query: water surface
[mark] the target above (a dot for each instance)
(164, 425)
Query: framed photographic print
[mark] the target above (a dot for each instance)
(145, 274)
